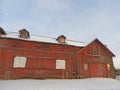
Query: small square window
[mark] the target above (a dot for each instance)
(19, 62)
(60, 64)
(7, 73)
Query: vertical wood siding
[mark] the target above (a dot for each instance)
(80, 62)
(40, 59)
(97, 58)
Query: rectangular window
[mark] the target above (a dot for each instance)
(60, 64)
(108, 67)
(7, 73)
(85, 66)
(19, 62)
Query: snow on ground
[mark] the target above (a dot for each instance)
(72, 84)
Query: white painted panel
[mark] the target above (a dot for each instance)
(60, 64)
(19, 62)
(85, 66)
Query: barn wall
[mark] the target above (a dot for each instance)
(40, 59)
(97, 58)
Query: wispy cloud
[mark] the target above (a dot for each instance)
(81, 20)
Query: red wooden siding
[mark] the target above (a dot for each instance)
(90, 61)
(98, 70)
(41, 59)
(2, 62)
(97, 57)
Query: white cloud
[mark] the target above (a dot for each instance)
(77, 19)
(52, 5)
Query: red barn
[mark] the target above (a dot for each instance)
(27, 56)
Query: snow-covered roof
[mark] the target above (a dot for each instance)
(14, 35)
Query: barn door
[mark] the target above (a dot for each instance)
(98, 70)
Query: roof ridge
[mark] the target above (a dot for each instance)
(46, 39)
(75, 41)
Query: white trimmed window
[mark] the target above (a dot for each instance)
(19, 62)
(108, 67)
(85, 66)
(60, 64)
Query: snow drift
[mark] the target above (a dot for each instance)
(74, 84)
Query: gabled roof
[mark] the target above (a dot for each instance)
(2, 31)
(61, 36)
(24, 33)
(61, 39)
(14, 35)
(105, 47)
(99, 43)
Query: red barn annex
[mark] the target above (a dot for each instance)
(27, 56)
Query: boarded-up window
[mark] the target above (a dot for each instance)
(108, 67)
(19, 62)
(7, 73)
(60, 64)
(85, 66)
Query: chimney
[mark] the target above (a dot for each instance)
(2, 32)
(61, 39)
(24, 33)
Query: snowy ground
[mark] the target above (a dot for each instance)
(76, 84)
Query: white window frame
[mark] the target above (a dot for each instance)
(60, 64)
(19, 62)
(108, 67)
(85, 66)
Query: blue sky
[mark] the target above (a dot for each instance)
(80, 20)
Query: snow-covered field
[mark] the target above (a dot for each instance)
(74, 84)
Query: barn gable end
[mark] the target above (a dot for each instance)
(25, 56)
(95, 50)
(98, 59)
